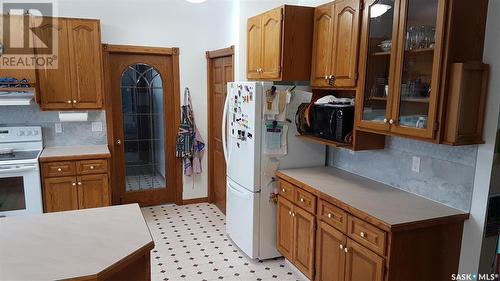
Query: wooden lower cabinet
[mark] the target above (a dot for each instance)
(303, 250)
(81, 189)
(362, 264)
(93, 191)
(60, 194)
(285, 228)
(330, 255)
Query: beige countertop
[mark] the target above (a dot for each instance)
(390, 205)
(59, 153)
(70, 244)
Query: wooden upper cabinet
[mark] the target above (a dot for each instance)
(345, 47)
(284, 239)
(330, 255)
(276, 43)
(86, 66)
(335, 45)
(254, 39)
(77, 82)
(322, 45)
(363, 264)
(271, 44)
(54, 84)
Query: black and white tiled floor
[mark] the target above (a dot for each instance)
(191, 244)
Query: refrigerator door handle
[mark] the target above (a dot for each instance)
(224, 128)
(237, 192)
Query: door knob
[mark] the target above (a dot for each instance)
(118, 142)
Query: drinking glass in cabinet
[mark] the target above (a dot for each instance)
(379, 52)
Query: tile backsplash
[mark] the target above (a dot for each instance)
(73, 133)
(446, 173)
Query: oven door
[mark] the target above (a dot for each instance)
(20, 190)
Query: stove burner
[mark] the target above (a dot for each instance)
(19, 155)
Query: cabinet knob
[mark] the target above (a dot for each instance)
(363, 234)
(385, 120)
(302, 200)
(92, 167)
(391, 121)
(118, 142)
(331, 77)
(329, 215)
(293, 214)
(345, 250)
(74, 101)
(290, 213)
(79, 183)
(283, 190)
(69, 101)
(326, 77)
(73, 184)
(59, 169)
(341, 246)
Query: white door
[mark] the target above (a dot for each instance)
(242, 219)
(244, 134)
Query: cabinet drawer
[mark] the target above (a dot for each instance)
(86, 167)
(332, 215)
(305, 200)
(59, 169)
(286, 190)
(367, 235)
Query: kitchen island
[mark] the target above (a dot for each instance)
(111, 243)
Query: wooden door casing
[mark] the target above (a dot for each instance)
(345, 43)
(86, 65)
(60, 194)
(220, 72)
(55, 84)
(93, 191)
(330, 255)
(363, 264)
(322, 45)
(303, 236)
(254, 47)
(271, 44)
(285, 229)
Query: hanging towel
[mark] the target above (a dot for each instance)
(190, 145)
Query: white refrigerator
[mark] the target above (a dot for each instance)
(250, 212)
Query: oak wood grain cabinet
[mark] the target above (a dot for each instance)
(335, 45)
(77, 81)
(338, 242)
(410, 82)
(75, 184)
(278, 42)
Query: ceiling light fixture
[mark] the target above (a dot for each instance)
(196, 1)
(378, 10)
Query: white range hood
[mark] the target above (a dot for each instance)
(20, 97)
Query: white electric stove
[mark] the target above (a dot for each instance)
(20, 188)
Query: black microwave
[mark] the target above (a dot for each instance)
(332, 121)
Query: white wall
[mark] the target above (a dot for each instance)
(474, 227)
(194, 28)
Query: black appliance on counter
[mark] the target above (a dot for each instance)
(332, 121)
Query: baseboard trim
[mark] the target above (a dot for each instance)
(195, 201)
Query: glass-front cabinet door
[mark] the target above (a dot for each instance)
(378, 53)
(417, 72)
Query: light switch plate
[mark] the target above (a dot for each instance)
(96, 126)
(415, 167)
(58, 128)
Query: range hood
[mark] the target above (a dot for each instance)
(18, 97)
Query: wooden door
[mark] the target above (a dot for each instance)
(55, 83)
(84, 39)
(284, 239)
(271, 44)
(145, 109)
(322, 45)
(254, 47)
(220, 72)
(330, 255)
(363, 264)
(93, 191)
(417, 82)
(303, 246)
(345, 45)
(60, 194)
